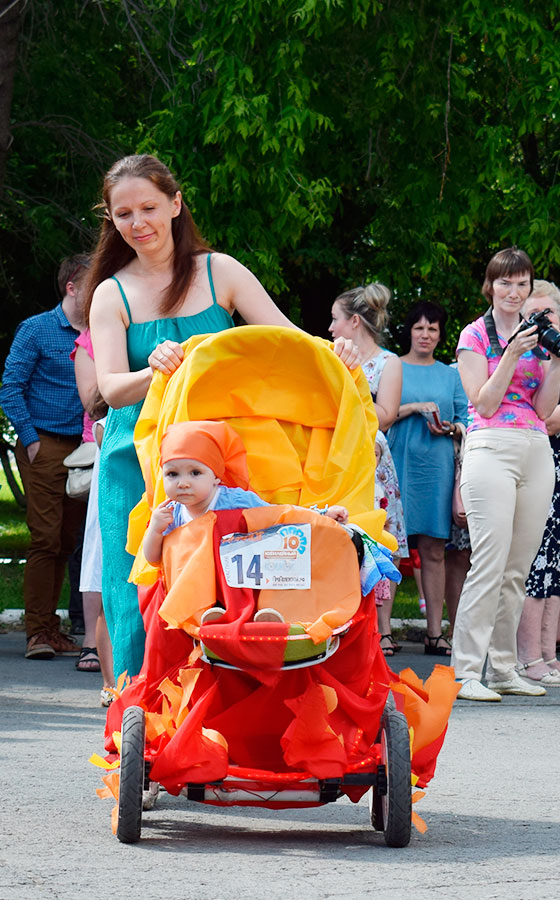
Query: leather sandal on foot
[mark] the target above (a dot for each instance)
(88, 661)
(437, 646)
(387, 649)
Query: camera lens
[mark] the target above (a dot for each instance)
(549, 338)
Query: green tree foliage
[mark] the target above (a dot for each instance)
(322, 142)
(80, 86)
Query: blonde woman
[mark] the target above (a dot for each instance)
(362, 316)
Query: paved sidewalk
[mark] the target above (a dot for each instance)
(492, 812)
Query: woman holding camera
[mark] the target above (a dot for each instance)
(536, 635)
(507, 477)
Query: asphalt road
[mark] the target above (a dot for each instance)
(492, 812)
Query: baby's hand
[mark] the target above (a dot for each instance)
(162, 516)
(338, 513)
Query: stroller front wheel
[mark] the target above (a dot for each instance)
(133, 739)
(391, 811)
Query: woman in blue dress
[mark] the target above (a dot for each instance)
(152, 284)
(421, 442)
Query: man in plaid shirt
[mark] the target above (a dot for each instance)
(40, 398)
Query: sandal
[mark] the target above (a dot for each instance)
(437, 646)
(388, 649)
(549, 679)
(88, 660)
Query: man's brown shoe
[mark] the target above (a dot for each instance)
(39, 646)
(63, 645)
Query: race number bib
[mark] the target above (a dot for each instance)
(275, 558)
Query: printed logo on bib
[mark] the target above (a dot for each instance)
(275, 558)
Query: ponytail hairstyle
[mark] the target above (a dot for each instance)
(113, 253)
(370, 304)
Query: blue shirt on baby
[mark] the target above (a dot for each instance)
(224, 498)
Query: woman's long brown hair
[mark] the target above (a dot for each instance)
(112, 252)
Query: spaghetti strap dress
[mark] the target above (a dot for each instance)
(120, 479)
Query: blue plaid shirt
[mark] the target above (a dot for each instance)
(39, 386)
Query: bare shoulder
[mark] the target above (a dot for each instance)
(393, 364)
(237, 288)
(227, 267)
(107, 301)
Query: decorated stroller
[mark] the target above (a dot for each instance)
(249, 712)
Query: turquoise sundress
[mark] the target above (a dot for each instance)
(120, 480)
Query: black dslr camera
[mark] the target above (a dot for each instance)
(549, 337)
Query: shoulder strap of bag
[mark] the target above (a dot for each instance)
(490, 326)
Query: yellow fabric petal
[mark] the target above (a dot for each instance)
(101, 763)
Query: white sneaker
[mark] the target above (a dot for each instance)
(107, 696)
(517, 685)
(473, 690)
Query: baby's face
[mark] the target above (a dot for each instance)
(377, 454)
(190, 482)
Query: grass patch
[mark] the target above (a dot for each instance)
(14, 541)
(406, 600)
(14, 536)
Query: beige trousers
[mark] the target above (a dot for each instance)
(506, 485)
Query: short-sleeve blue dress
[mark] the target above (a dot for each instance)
(425, 463)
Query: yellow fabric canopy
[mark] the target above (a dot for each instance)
(308, 422)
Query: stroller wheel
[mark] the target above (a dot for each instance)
(391, 811)
(129, 824)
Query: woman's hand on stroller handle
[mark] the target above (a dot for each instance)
(166, 357)
(348, 352)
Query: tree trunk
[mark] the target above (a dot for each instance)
(11, 13)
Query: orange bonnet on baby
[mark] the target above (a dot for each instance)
(215, 444)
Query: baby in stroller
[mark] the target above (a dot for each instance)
(198, 461)
(226, 703)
